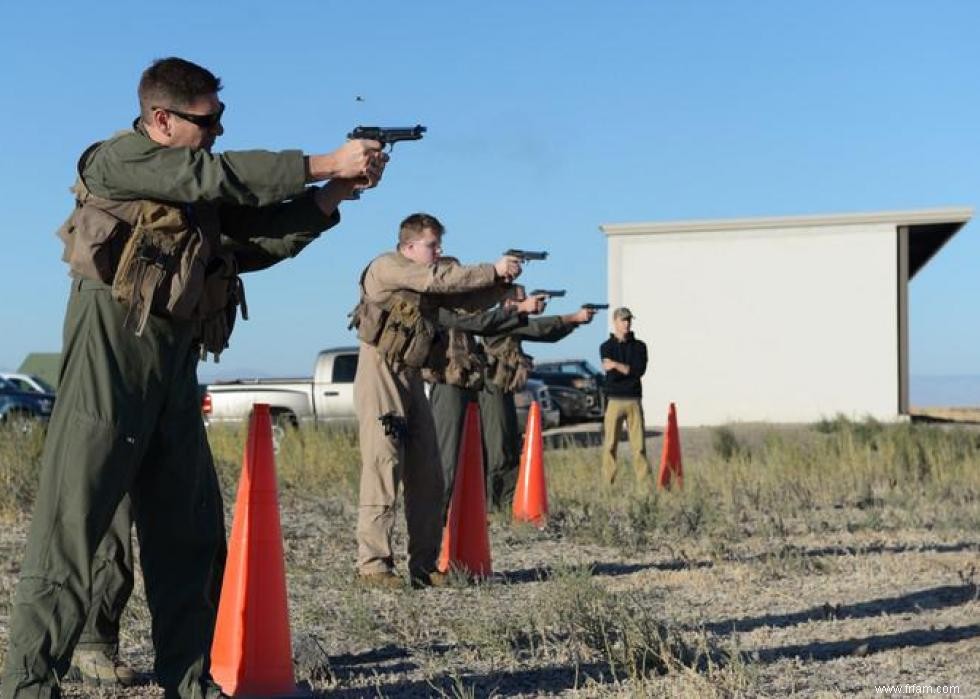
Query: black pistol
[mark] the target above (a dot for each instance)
(595, 306)
(550, 293)
(388, 135)
(395, 426)
(526, 255)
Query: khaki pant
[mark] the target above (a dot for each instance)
(618, 410)
(387, 461)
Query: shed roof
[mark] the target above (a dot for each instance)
(929, 229)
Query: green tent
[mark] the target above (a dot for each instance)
(43, 364)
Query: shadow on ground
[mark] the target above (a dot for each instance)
(538, 574)
(869, 549)
(559, 678)
(381, 664)
(542, 573)
(503, 684)
(831, 650)
(933, 598)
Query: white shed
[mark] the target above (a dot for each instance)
(788, 319)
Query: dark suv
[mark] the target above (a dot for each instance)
(23, 409)
(575, 385)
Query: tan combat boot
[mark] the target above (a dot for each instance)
(100, 668)
(433, 579)
(384, 581)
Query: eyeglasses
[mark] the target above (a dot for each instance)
(205, 121)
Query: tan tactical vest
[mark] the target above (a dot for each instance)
(402, 328)
(507, 366)
(158, 261)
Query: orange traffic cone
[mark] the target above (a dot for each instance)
(670, 460)
(251, 654)
(465, 539)
(531, 495)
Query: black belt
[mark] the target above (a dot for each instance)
(87, 284)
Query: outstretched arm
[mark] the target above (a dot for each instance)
(133, 166)
(496, 321)
(555, 328)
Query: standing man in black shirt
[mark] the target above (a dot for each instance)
(624, 359)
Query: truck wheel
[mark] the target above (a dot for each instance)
(563, 417)
(282, 423)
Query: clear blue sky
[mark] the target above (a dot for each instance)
(545, 120)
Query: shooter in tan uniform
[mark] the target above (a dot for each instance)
(397, 321)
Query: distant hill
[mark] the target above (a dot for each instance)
(44, 364)
(961, 390)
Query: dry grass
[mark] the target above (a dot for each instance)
(813, 561)
(20, 458)
(324, 462)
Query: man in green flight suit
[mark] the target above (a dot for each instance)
(160, 231)
(452, 391)
(507, 373)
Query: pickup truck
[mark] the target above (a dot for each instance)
(326, 397)
(29, 383)
(21, 410)
(576, 386)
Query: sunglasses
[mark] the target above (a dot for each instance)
(205, 121)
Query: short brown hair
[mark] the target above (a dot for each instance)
(174, 82)
(413, 226)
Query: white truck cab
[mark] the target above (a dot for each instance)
(326, 397)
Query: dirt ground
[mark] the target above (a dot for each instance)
(799, 615)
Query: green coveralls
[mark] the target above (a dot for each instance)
(498, 417)
(128, 421)
(112, 570)
(449, 402)
(112, 583)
